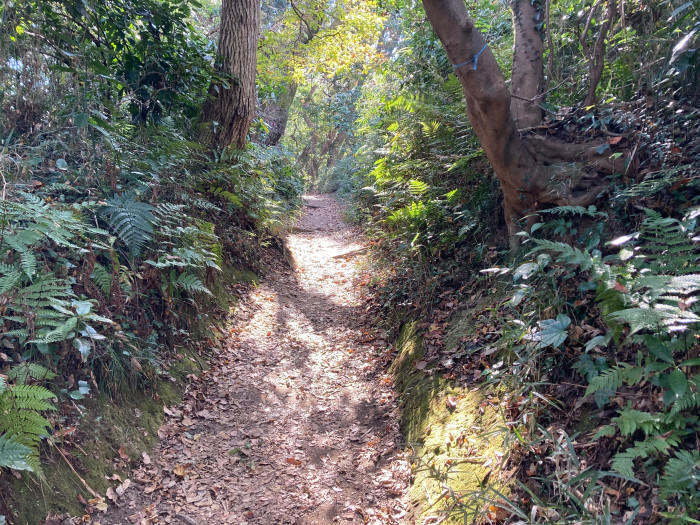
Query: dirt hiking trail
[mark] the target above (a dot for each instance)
(293, 424)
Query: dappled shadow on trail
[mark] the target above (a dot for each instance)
(293, 423)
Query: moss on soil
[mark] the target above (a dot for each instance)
(450, 428)
(106, 425)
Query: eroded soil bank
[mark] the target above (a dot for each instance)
(293, 423)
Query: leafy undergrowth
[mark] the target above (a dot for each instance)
(590, 356)
(96, 440)
(585, 343)
(119, 231)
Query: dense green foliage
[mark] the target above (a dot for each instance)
(21, 425)
(606, 298)
(116, 224)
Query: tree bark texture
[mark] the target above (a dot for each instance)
(275, 114)
(528, 67)
(533, 171)
(233, 108)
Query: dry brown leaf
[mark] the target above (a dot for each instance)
(111, 494)
(121, 489)
(151, 489)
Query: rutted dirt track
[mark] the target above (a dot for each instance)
(293, 423)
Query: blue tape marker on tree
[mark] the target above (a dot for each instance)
(474, 60)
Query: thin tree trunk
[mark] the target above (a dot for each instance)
(528, 72)
(596, 57)
(228, 112)
(276, 114)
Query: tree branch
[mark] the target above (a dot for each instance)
(582, 37)
(296, 10)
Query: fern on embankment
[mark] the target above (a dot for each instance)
(649, 295)
(39, 303)
(22, 426)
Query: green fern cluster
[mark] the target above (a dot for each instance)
(29, 222)
(667, 245)
(22, 426)
(39, 306)
(649, 295)
(682, 477)
(178, 240)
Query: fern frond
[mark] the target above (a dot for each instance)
(170, 213)
(24, 426)
(417, 187)
(10, 281)
(14, 455)
(7, 268)
(623, 462)
(191, 284)
(28, 263)
(656, 182)
(653, 318)
(629, 421)
(18, 333)
(565, 253)
(102, 278)
(200, 203)
(43, 291)
(668, 246)
(681, 474)
(611, 379)
(131, 220)
(688, 402)
(31, 397)
(62, 332)
(591, 211)
(22, 373)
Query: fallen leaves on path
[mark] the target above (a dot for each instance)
(293, 423)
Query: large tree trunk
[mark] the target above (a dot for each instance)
(532, 171)
(228, 112)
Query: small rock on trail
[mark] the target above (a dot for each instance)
(292, 424)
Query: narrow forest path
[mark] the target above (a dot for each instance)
(293, 423)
